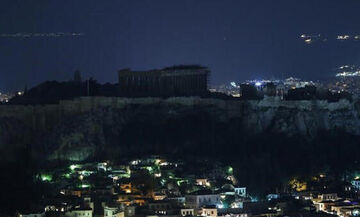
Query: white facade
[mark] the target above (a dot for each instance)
(112, 212)
(180, 200)
(332, 197)
(209, 212)
(356, 184)
(197, 201)
(187, 212)
(236, 215)
(80, 213)
(240, 191)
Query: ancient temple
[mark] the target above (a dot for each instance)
(184, 80)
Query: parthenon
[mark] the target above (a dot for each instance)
(171, 81)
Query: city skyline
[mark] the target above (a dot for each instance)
(181, 108)
(49, 40)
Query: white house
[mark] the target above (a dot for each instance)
(187, 212)
(80, 212)
(332, 196)
(356, 184)
(240, 191)
(199, 200)
(208, 211)
(112, 211)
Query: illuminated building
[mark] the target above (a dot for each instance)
(187, 212)
(272, 196)
(128, 199)
(356, 184)
(208, 211)
(231, 89)
(198, 200)
(158, 196)
(5, 97)
(348, 74)
(241, 191)
(113, 211)
(233, 212)
(345, 209)
(88, 212)
(332, 196)
(162, 207)
(126, 187)
(324, 202)
(203, 182)
(348, 71)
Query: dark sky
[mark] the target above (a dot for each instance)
(237, 39)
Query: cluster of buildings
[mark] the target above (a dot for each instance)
(349, 84)
(282, 89)
(347, 79)
(149, 187)
(292, 89)
(5, 97)
(157, 187)
(231, 89)
(348, 71)
(323, 194)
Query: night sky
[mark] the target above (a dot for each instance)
(236, 39)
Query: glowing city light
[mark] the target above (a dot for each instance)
(73, 166)
(343, 37)
(49, 35)
(234, 84)
(348, 74)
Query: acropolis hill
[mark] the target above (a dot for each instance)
(304, 117)
(89, 122)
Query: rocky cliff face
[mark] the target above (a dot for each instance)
(303, 117)
(87, 127)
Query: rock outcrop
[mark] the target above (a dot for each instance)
(83, 128)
